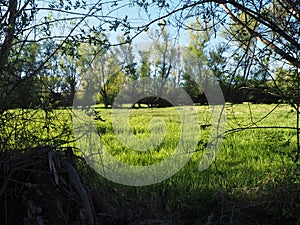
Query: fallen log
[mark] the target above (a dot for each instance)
(87, 214)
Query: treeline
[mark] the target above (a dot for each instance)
(106, 70)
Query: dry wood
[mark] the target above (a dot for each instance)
(76, 183)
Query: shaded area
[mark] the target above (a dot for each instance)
(50, 186)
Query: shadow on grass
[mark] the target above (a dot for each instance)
(31, 194)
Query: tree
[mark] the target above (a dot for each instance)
(287, 79)
(127, 60)
(38, 41)
(65, 23)
(101, 73)
(20, 89)
(164, 54)
(195, 59)
(145, 68)
(217, 63)
(70, 74)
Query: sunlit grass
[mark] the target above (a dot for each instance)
(247, 159)
(253, 157)
(28, 128)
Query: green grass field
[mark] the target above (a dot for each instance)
(247, 158)
(251, 162)
(253, 169)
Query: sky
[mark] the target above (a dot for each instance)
(136, 17)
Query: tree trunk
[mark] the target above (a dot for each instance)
(9, 36)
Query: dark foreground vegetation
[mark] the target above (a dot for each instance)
(49, 186)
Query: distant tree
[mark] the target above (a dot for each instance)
(195, 59)
(217, 63)
(126, 59)
(70, 76)
(22, 89)
(145, 63)
(163, 54)
(287, 80)
(101, 73)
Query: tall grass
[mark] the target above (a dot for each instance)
(255, 153)
(247, 159)
(254, 157)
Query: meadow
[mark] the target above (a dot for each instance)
(254, 161)
(252, 152)
(253, 179)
